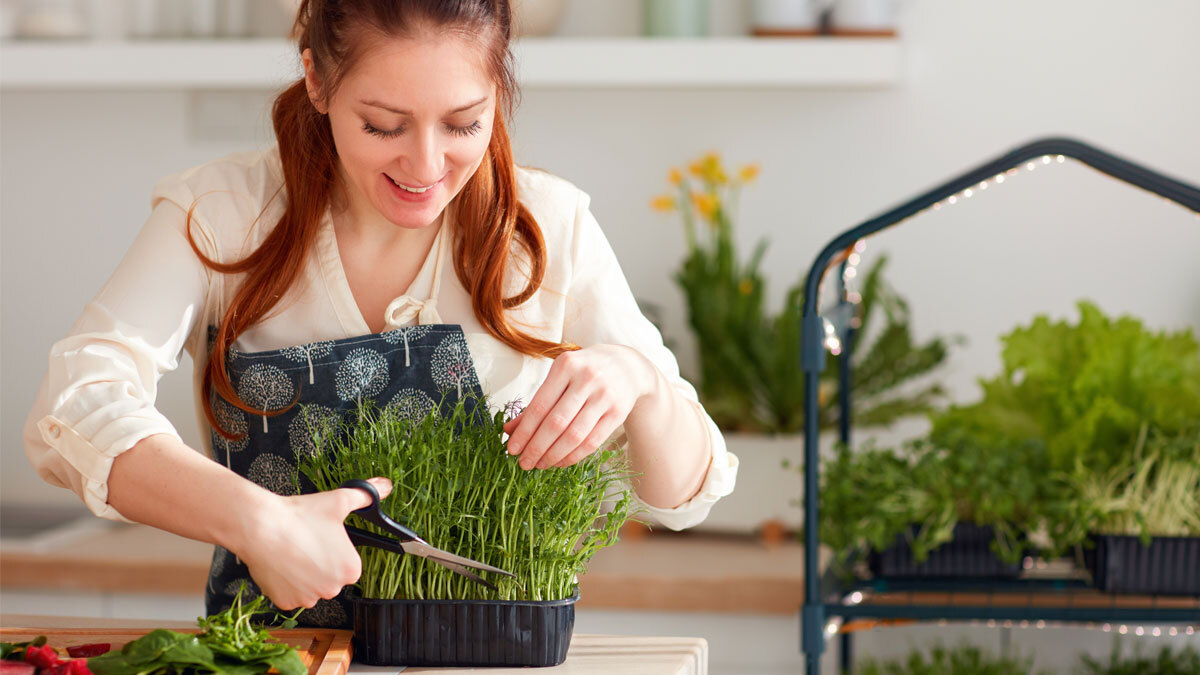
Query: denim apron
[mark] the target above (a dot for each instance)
(414, 367)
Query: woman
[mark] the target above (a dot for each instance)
(387, 232)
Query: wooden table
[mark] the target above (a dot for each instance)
(588, 655)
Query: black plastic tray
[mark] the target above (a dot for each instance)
(968, 554)
(463, 632)
(1121, 564)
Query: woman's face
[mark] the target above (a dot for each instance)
(414, 112)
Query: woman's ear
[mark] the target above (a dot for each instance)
(312, 82)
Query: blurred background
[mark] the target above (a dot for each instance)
(843, 112)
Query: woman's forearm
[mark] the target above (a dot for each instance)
(162, 482)
(668, 445)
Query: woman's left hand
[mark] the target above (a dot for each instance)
(586, 396)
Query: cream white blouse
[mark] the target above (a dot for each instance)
(97, 398)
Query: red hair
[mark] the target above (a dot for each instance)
(490, 220)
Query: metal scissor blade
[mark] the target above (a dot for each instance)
(459, 569)
(425, 550)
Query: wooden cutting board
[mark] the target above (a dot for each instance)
(324, 651)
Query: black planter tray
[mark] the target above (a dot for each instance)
(1122, 564)
(968, 554)
(463, 632)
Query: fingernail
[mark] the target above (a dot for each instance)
(514, 449)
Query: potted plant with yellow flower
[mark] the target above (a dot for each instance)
(748, 358)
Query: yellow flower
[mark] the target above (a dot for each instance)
(696, 169)
(745, 286)
(663, 203)
(711, 168)
(748, 173)
(675, 177)
(706, 204)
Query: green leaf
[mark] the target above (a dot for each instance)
(288, 663)
(151, 646)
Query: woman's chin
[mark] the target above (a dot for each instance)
(404, 215)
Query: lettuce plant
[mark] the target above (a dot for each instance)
(1083, 390)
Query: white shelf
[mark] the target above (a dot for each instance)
(541, 62)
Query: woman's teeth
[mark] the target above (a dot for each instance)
(408, 189)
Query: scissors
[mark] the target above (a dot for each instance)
(406, 540)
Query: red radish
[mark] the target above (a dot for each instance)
(89, 650)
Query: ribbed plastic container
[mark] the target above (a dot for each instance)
(463, 632)
(968, 554)
(1168, 566)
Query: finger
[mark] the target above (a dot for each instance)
(382, 484)
(285, 605)
(576, 434)
(600, 434)
(557, 421)
(354, 499)
(531, 417)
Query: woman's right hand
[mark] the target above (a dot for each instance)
(298, 551)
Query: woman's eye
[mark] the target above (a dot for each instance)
(469, 130)
(371, 129)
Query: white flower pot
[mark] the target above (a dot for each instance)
(765, 490)
(786, 17)
(863, 17)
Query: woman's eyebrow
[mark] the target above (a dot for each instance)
(377, 104)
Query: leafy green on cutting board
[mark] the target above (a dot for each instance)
(230, 644)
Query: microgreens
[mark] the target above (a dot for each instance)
(455, 484)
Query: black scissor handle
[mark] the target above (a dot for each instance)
(373, 512)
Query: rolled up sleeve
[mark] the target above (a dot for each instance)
(97, 397)
(602, 310)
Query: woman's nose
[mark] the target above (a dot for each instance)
(426, 158)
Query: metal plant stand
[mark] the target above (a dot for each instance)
(1025, 601)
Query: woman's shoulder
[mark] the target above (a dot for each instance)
(229, 192)
(251, 173)
(549, 195)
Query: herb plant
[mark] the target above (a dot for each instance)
(1185, 661)
(871, 496)
(749, 359)
(961, 660)
(456, 485)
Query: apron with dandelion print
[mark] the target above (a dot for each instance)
(415, 368)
